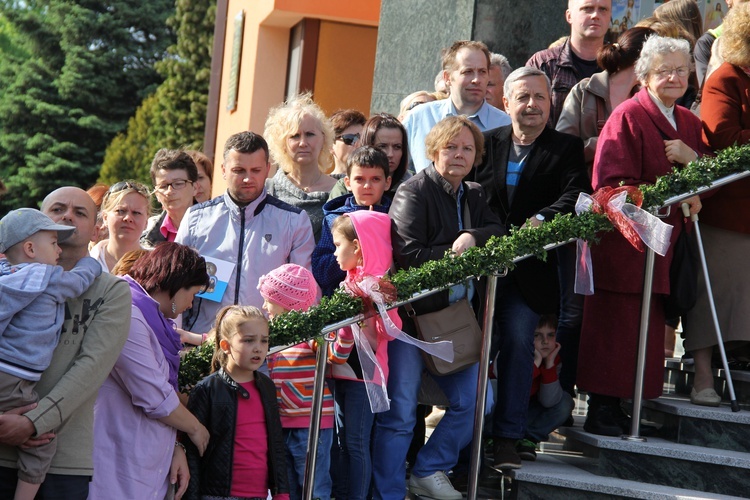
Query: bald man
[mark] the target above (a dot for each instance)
(95, 329)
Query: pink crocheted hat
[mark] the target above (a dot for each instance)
(291, 286)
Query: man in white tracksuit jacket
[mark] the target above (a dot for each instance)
(246, 227)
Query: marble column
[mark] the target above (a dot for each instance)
(413, 32)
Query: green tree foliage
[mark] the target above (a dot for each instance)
(122, 161)
(71, 74)
(175, 115)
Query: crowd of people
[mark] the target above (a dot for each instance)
(317, 204)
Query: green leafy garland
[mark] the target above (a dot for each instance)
(194, 366)
(497, 254)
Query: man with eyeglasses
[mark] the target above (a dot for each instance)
(246, 228)
(466, 73)
(174, 175)
(574, 60)
(95, 329)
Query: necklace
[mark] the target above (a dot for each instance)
(307, 188)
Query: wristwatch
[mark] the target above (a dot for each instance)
(539, 217)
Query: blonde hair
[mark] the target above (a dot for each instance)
(735, 40)
(118, 191)
(125, 264)
(448, 128)
(284, 120)
(345, 227)
(228, 321)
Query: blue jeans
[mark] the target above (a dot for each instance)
(542, 421)
(394, 428)
(354, 421)
(571, 316)
(514, 327)
(54, 487)
(296, 456)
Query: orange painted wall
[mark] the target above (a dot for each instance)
(263, 66)
(345, 67)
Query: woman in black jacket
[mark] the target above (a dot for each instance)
(433, 212)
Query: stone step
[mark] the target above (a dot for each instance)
(662, 462)
(569, 477)
(682, 422)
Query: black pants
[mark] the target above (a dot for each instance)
(54, 487)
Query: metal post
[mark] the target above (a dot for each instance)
(648, 281)
(484, 363)
(321, 358)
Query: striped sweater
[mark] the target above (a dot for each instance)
(293, 372)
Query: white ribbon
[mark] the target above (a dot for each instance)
(372, 372)
(654, 233)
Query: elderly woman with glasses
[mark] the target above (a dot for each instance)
(138, 412)
(643, 139)
(125, 210)
(175, 177)
(300, 139)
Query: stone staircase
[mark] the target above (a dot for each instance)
(697, 452)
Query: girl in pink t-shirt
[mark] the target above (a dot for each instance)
(237, 404)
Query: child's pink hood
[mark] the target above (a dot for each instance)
(374, 234)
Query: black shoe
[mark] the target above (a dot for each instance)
(505, 456)
(624, 420)
(603, 420)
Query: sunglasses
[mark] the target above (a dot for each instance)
(135, 186)
(414, 105)
(348, 139)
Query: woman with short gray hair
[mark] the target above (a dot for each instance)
(658, 47)
(643, 139)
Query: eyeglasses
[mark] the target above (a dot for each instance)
(665, 73)
(348, 139)
(135, 186)
(176, 185)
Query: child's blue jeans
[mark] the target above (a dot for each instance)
(296, 454)
(541, 421)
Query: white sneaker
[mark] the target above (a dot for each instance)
(436, 486)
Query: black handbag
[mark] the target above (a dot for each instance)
(683, 276)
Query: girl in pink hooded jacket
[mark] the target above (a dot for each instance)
(363, 249)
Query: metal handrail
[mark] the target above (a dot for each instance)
(318, 389)
(635, 417)
(319, 383)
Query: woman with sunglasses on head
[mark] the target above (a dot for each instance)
(385, 132)
(300, 139)
(174, 175)
(347, 127)
(125, 210)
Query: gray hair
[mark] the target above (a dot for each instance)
(659, 46)
(523, 72)
(500, 61)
